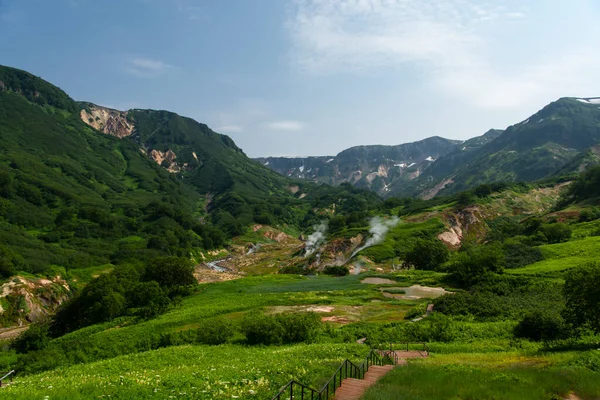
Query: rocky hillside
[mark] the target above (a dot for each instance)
(558, 139)
(369, 167)
(562, 138)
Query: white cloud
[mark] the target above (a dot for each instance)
(229, 129)
(290, 126)
(450, 43)
(144, 67)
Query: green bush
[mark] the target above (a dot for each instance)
(542, 326)
(34, 338)
(556, 233)
(262, 329)
(477, 264)
(214, 332)
(582, 296)
(280, 328)
(518, 254)
(337, 270)
(427, 254)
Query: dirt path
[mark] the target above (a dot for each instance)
(11, 333)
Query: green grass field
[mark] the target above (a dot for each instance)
(562, 256)
(189, 372)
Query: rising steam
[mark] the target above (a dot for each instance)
(379, 227)
(316, 239)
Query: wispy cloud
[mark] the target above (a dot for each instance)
(144, 67)
(290, 126)
(229, 129)
(446, 41)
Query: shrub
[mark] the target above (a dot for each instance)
(170, 272)
(427, 254)
(293, 270)
(217, 331)
(262, 329)
(541, 326)
(582, 296)
(35, 338)
(519, 254)
(476, 264)
(281, 328)
(556, 233)
(337, 270)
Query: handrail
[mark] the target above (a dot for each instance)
(347, 369)
(9, 373)
(392, 346)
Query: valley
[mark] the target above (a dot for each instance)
(144, 255)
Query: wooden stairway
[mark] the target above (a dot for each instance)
(353, 389)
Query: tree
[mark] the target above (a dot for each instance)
(556, 233)
(477, 264)
(582, 296)
(170, 272)
(541, 326)
(427, 254)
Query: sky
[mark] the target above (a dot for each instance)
(314, 77)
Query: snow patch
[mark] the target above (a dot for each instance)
(590, 100)
(430, 159)
(301, 168)
(412, 165)
(464, 148)
(400, 165)
(526, 121)
(267, 163)
(330, 160)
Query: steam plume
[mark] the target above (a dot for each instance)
(316, 239)
(379, 227)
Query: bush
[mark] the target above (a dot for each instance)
(519, 254)
(541, 326)
(582, 296)
(337, 270)
(35, 338)
(170, 272)
(477, 264)
(556, 233)
(217, 331)
(293, 270)
(262, 329)
(281, 328)
(427, 254)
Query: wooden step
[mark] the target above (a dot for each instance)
(353, 389)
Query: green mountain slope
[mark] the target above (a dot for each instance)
(239, 190)
(73, 198)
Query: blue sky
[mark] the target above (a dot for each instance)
(313, 77)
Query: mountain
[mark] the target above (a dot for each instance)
(371, 167)
(561, 139)
(539, 147)
(84, 186)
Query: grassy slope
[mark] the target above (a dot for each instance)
(123, 336)
(489, 376)
(562, 256)
(190, 372)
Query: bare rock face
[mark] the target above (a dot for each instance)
(167, 159)
(106, 120)
(34, 299)
(2, 87)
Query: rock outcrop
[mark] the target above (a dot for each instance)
(106, 120)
